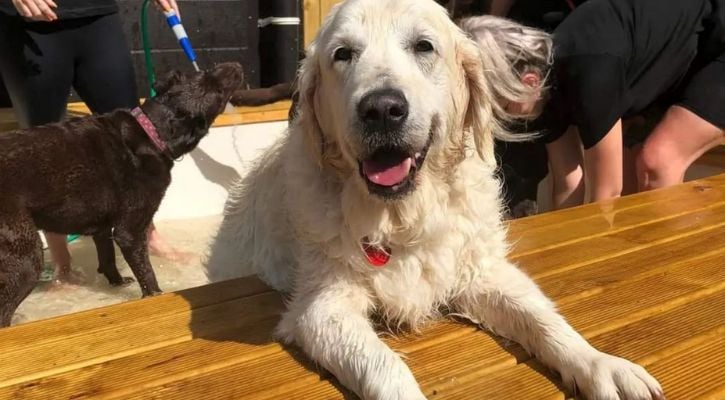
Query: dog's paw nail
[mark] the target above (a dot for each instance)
(127, 280)
(124, 281)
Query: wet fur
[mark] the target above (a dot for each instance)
(99, 176)
(298, 218)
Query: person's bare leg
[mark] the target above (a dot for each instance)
(603, 166)
(676, 142)
(61, 259)
(500, 8)
(565, 160)
(629, 160)
(159, 247)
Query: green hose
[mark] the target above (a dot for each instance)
(150, 76)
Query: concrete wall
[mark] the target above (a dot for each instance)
(219, 30)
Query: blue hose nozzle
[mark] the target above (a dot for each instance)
(175, 24)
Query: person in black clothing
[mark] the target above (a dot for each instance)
(615, 60)
(47, 48)
(525, 164)
(542, 14)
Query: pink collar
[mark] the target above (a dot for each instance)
(149, 128)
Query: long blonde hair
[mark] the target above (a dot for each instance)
(508, 51)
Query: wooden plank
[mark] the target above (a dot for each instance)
(647, 342)
(593, 249)
(241, 115)
(661, 334)
(326, 6)
(278, 111)
(567, 231)
(634, 300)
(528, 380)
(592, 278)
(314, 12)
(610, 208)
(311, 19)
(186, 360)
(707, 380)
(61, 328)
(127, 375)
(34, 361)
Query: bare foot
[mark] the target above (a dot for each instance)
(160, 248)
(66, 276)
(65, 282)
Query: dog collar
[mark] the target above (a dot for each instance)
(376, 256)
(149, 128)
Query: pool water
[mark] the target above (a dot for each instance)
(187, 235)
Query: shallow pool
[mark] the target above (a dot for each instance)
(188, 235)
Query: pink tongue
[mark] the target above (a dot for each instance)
(387, 175)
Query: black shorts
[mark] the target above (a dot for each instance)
(41, 61)
(704, 92)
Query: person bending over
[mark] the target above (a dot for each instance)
(614, 60)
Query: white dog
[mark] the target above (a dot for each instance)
(381, 199)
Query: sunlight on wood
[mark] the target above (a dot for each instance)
(646, 283)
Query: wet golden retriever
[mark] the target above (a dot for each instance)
(381, 199)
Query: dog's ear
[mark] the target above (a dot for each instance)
(309, 76)
(304, 113)
(168, 80)
(480, 118)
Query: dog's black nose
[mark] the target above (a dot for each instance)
(383, 110)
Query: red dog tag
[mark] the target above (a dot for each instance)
(376, 256)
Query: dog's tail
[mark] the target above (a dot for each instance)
(262, 96)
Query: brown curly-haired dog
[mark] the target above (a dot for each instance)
(102, 176)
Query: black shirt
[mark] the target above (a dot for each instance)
(614, 58)
(542, 14)
(69, 9)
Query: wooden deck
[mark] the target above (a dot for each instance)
(642, 277)
(241, 115)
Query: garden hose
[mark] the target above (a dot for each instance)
(150, 75)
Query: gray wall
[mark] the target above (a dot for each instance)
(219, 30)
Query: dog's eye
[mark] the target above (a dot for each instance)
(343, 54)
(423, 46)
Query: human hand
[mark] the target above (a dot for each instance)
(36, 10)
(166, 5)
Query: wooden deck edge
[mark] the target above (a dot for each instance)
(240, 116)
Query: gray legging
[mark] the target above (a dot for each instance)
(41, 61)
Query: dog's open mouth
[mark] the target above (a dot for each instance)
(391, 172)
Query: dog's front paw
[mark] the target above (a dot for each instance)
(604, 377)
(123, 281)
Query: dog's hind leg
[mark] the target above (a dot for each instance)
(131, 238)
(107, 258)
(21, 261)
